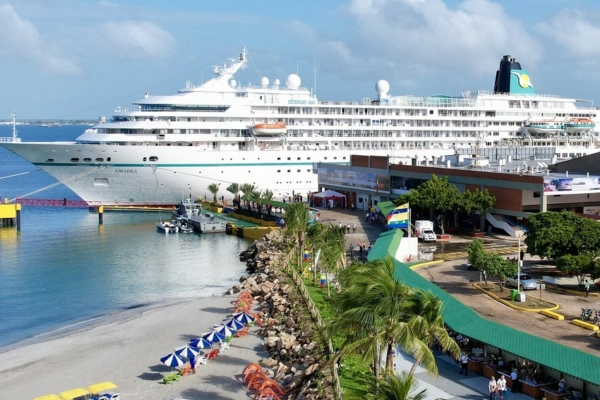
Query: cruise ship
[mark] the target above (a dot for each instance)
(166, 148)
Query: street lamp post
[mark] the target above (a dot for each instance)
(519, 261)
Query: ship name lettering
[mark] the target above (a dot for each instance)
(126, 171)
(297, 102)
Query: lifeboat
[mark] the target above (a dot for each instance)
(574, 125)
(541, 127)
(274, 129)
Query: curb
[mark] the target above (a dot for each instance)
(426, 264)
(509, 304)
(555, 288)
(586, 325)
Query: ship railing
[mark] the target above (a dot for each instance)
(10, 140)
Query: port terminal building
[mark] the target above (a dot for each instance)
(521, 187)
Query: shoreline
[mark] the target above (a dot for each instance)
(126, 348)
(82, 325)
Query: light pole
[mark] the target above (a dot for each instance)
(519, 269)
(190, 192)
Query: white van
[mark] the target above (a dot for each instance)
(424, 231)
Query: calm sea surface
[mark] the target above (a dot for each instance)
(63, 269)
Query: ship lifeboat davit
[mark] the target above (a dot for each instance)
(274, 129)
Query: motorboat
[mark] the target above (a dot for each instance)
(184, 225)
(167, 227)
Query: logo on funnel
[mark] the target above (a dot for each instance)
(524, 80)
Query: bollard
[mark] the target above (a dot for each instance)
(101, 215)
(18, 218)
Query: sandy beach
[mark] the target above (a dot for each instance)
(126, 350)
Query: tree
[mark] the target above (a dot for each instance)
(579, 265)
(476, 203)
(256, 198)
(234, 189)
(214, 189)
(556, 234)
(439, 195)
(333, 251)
(267, 199)
(247, 189)
(489, 263)
(315, 237)
(373, 313)
(296, 220)
(398, 387)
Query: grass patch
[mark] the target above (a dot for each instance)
(530, 301)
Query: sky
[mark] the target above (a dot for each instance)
(81, 59)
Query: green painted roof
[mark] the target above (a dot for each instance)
(463, 319)
(386, 206)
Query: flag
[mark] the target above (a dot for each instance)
(399, 217)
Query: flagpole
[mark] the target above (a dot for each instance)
(409, 219)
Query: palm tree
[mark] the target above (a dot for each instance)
(395, 387)
(427, 324)
(234, 189)
(315, 234)
(373, 312)
(256, 197)
(214, 189)
(296, 220)
(333, 252)
(267, 198)
(247, 189)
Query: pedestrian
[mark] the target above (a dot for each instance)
(340, 225)
(492, 388)
(354, 228)
(351, 249)
(514, 377)
(464, 363)
(367, 217)
(347, 228)
(502, 387)
(587, 287)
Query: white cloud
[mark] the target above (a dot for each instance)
(429, 33)
(575, 34)
(20, 42)
(135, 38)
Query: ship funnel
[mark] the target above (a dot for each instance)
(511, 78)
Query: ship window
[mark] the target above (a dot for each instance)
(87, 160)
(74, 159)
(154, 158)
(144, 159)
(298, 170)
(298, 158)
(278, 158)
(109, 159)
(99, 159)
(101, 182)
(289, 158)
(50, 160)
(308, 170)
(335, 158)
(325, 158)
(289, 170)
(278, 170)
(308, 158)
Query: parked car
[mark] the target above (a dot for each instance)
(527, 282)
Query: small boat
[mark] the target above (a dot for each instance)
(187, 209)
(208, 223)
(573, 125)
(167, 227)
(184, 225)
(274, 129)
(546, 126)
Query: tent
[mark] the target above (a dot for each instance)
(330, 196)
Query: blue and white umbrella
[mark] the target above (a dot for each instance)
(187, 351)
(223, 330)
(172, 360)
(243, 317)
(213, 337)
(233, 324)
(200, 343)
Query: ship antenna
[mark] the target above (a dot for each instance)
(315, 68)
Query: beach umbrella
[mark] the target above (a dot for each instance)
(200, 343)
(172, 360)
(223, 330)
(213, 337)
(187, 351)
(233, 324)
(243, 317)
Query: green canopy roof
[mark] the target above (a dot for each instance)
(465, 320)
(386, 207)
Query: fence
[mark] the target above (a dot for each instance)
(314, 312)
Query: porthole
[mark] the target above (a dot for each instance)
(145, 159)
(153, 158)
(50, 160)
(74, 159)
(87, 160)
(99, 159)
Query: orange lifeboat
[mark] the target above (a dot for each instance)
(274, 129)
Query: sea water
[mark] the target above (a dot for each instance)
(64, 269)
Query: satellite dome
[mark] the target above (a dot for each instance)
(233, 83)
(382, 87)
(293, 81)
(264, 81)
(277, 82)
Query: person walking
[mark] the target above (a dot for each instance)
(587, 287)
(501, 382)
(464, 363)
(353, 228)
(347, 228)
(492, 388)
